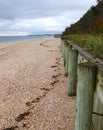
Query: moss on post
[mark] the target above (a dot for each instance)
(64, 54)
(63, 47)
(63, 50)
(66, 59)
(72, 72)
(85, 91)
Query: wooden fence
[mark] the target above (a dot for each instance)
(85, 80)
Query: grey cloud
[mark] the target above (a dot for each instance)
(12, 9)
(35, 16)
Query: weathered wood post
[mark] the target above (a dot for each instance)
(67, 58)
(95, 118)
(72, 72)
(100, 121)
(64, 53)
(62, 47)
(85, 91)
(69, 49)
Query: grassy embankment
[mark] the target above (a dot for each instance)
(91, 43)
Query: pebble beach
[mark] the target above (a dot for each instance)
(34, 88)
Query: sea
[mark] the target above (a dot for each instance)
(9, 39)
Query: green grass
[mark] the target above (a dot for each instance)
(92, 43)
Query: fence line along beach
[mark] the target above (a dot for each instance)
(33, 87)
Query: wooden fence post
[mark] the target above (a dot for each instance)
(63, 50)
(62, 46)
(66, 59)
(64, 54)
(72, 72)
(85, 91)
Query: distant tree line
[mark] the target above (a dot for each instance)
(91, 22)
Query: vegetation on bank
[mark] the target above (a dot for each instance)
(91, 22)
(88, 31)
(91, 43)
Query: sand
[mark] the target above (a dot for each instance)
(33, 87)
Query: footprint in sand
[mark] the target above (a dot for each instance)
(55, 76)
(36, 100)
(54, 82)
(11, 128)
(33, 101)
(53, 66)
(57, 63)
(22, 116)
(18, 119)
(28, 104)
(46, 89)
(41, 44)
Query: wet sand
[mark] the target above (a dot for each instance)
(33, 88)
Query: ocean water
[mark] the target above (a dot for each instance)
(9, 39)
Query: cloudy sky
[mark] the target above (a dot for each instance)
(22, 17)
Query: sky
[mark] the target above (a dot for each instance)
(24, 17)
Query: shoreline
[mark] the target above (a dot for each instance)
(33, 88)
(12, 39)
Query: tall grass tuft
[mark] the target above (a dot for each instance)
(92, 43)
